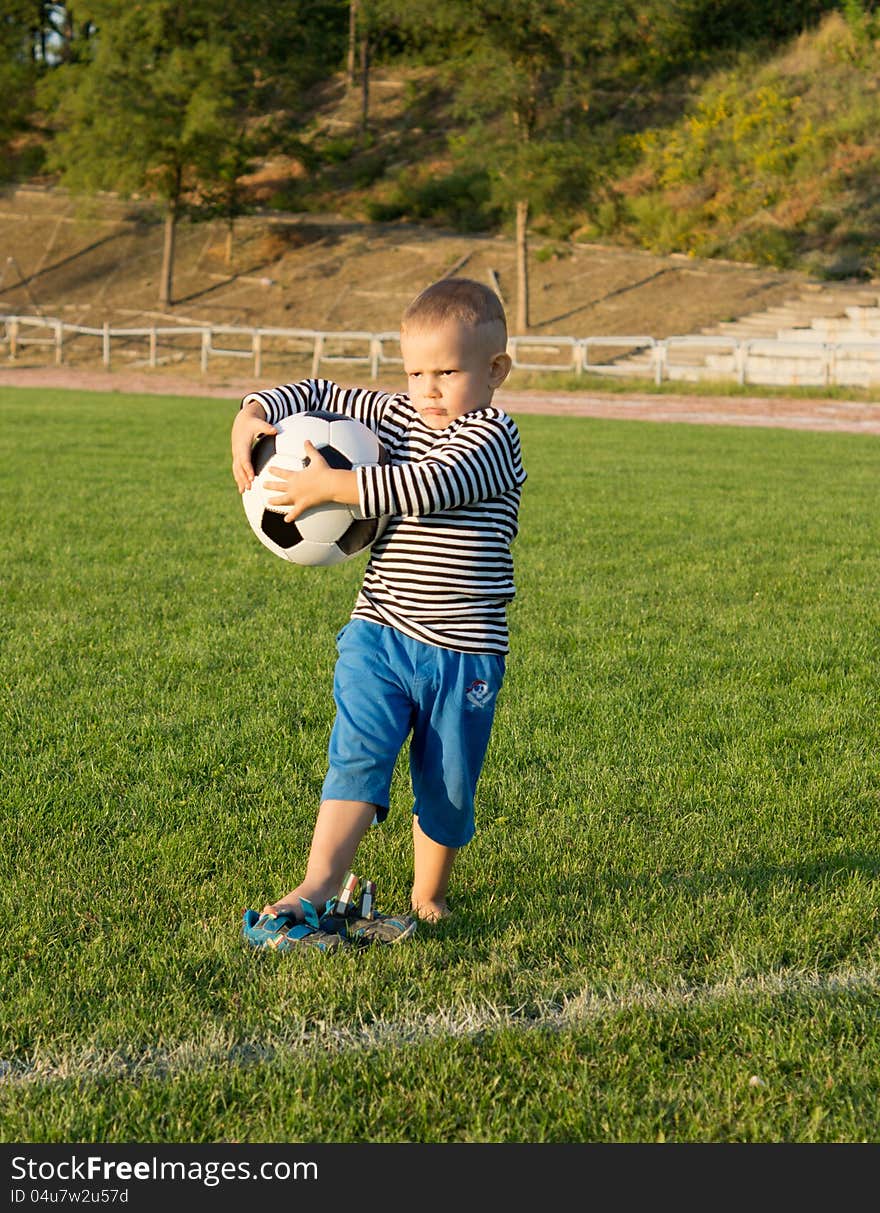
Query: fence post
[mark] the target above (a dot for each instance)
(375, 352)
(659, 353)
(105, 345)
(744, 364)
(830, 365)
(317, 354)
(206, 349)
(153, 346)
(258, 353)
(59, 342)
(13, 339)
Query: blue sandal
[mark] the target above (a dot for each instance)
(360, 923)
(342, 922)
(285, 933)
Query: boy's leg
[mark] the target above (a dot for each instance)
(449, 742)
(372, 720)
(432, 865)
(340, 826)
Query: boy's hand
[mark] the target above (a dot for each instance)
(249, 424)
(314, 485)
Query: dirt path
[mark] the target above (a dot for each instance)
(803, 414)
(784, 413)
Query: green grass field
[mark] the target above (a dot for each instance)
(666, 928)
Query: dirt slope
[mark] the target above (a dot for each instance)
(86, 266)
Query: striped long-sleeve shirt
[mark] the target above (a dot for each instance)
(442, 570)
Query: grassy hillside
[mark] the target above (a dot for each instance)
(773, 160)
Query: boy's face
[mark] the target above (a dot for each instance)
(452, 369)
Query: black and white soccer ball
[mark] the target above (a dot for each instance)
(326, 534)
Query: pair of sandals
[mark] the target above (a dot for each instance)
(345, 921)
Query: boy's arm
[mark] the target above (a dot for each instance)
(250, 422)
(474, 466)
(259, 410)
(480, 461)
(309, 395)
(314, 485)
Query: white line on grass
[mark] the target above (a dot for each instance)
(461, 1021)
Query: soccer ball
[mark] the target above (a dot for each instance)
(326, 534)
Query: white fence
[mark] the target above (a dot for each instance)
(800, 362)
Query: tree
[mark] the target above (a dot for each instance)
(21, 23)
(64, 32)
(380, 31)
(512, 64)
(151, 109)
(164, 101)
(224, 197)
(351, 54)
(364, 22)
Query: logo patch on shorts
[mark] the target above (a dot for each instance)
(478, 693)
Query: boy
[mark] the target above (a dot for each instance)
(423, 654)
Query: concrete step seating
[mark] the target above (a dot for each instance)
(821, 336)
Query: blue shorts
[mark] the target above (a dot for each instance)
(387, 687)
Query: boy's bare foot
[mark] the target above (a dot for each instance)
(430, 910)
(289, 903)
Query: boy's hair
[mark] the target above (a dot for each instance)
(462, 299)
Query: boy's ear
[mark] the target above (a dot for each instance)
(499, 369)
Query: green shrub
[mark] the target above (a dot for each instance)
(336, 150)
(460, 199)
(766, 246)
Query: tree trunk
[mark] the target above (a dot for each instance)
(352, 43)
(166, 279)
(67, 32)
(522, 267)
(566, 94)
(365, 83)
